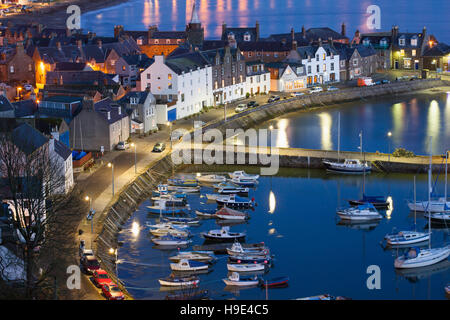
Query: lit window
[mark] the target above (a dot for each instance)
(414, 53)
(169, 76)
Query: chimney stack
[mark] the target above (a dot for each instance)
(58, 45)
(303, 32)
(343, 29)
(224, 28)
(320, 42)
(292, 34)
(99, 44)
(257, 30)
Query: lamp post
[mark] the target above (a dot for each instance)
(135, 157)
(169, 124)
(87, 198)
(114, 252)
(389, 134)
(225, 112)
(111, 165)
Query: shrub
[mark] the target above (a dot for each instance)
(401, 152)
(247, 95)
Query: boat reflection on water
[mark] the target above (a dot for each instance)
(365, 225)
(229, 223)
(235, 290)
(416, 274)
(184, 274)
(170, 248)
(405, 246)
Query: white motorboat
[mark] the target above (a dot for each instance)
(181, 220)
(232, 190)
(237, 250)
(246, 267)
(223, 234)
(234, 201)
(363, 212)
(211, 178)
(416, 257)
(188, 265)
(173, 281)
(212, 196)
(242, 174)
(230, 214)
(170, 240)
(195, 256)
(169, 231)
(167, 225)
(406, 237)
(348, 166)
(242, 181)
(235, 280)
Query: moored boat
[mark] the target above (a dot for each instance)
(433, 205)
(234, 201)
(278, 282)
(237, 249)
(245, 267)
(173, 281)
(233, 190)
(194, 256)
(223, 234)
(439, 217)
(158, 209)
(211, 178)
(184, 189)
(181, 220)
(363, 212)
(379, 202)
(348, 166)
(236, 280)
(188, 265)
(160, 232)
(406, 237)
(170, 240)
(416, 257)
(250, 259)
(241, 181)
(205, 213)
(177, 182)
(239, 174)
(230, 214)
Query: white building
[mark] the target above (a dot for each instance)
(61, 159)
(287, 76)
(257, 78)
(321, 63)
(185, 78)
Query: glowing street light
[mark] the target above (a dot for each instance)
(110, 165)
(389, 134)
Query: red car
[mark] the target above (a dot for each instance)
(101, 277)
(89, 264)
(112, 292)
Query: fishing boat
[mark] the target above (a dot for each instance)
(242, 174)
(181, 220)
(363, 212)
(211, 178)
(184, 189)
(348, 166)
(416, 257)
(188, 265)
(235, 280)
(379, 202)
(177, 182)
(241, 181)
(223, 234)
(234, 201)
(224, 185)
(158, 209)
(173, 281)
(170, 200)
(278, 282)
(170, 240)
(194, 256)
(205, 213)
(406, 237)
(245, 267)
(232, 190)
(250, 259)
(230, 214)
(169, 231)
(237, 249)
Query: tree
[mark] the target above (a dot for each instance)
(39, 216)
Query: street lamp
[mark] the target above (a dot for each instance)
(270, 138)
(113, 251)
(91, 216)
(389, 134)
(110, 165)
(169, 124)
(135, 157)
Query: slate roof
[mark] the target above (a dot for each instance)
(69, 66)
(312, 34)
(211, 54)
(239, 33)
(213, 44)
(169, 35)
(104, 106)
(270, 46)
(311, 50)
(439, 50)
(24, 108)
(28, 139)
(62, 150)
(282, 66)
(78, 77)
(186, 62)
(5, 105)
(139, 60)
(141, 95)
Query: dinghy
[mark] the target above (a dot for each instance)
(406, 237)
(167, 225)
(363, 212)
(230, 214)
(245, 267)
(223, 234)
(235, 280)
(169, 231)
(278, 282)
(157, 209)
(181, 220)
(173, 281)
(188, 265)
(194, 256)
(211, 178)
(234, 201)
(205, 213)
(170, 241)
(242, 174)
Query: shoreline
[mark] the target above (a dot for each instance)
(55, 16)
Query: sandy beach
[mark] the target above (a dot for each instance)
(55, 15)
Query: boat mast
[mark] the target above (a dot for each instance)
(415, 204)
(429, 193)
(445, 191)
(360, 143)
(339, 136)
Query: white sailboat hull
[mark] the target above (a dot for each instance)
(241, 283)
(426, 258)
(434, 206)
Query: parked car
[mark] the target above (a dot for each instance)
(377, 82)
(86, 252)
(251, 104)
(101, 277)
(385, 81)
(89, 264)
(273, 99)
(159, 147)
(315, 89)
(297, 94)
(122, 145)
(112, 292)
(241, 107)
(332, 88)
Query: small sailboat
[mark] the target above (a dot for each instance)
(177, 182)
(363, 212)
(211, 178)
(234, 201)
(379, 202)
(242, 174)
(245, 267)
(235, 280)
(173, 281)
(160, 232)
(406, 237)
(348, 166)
(170, 240)
(230, 214)
(223, 234)
(439, 217)
(416, 257)
(167, 225)
(188, 265)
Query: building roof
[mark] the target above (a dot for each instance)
(62, 150)
(268, 46)
(439, 50)
(138, 60)
(78, 77)
(69, 66)
(239, 34)
(140, 95)
(168, 35)
(186, 62)
(212, 54)
(27, 138)
(63, 99)
(24, 108)
(5, 105)
(106, 105)
(312, 34)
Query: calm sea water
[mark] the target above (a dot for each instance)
(411, 120)
(310, 245)
(275, 16)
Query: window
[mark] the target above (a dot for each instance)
(324, 67)
(233, 68)
(223, 83)
(275, 54)
(228, 59)
(167, 41)
(241, 67)
(332, 66)
(355, 62)
(318, 68)
(414, 52)
(249, 54)
(218, 60)
(216, 85)
(241, 78)
(265, 78)
(11, 69)
(317, 57)
(182, 97)
(309, 69)
(414, 42)
(156, 41)
(216, 73)
(169, 86)
(324, 56)
(234, 80)
(123, 68)
(148, 76)
(30, 67)
(401, 41)
(223, 71)
(169, 76)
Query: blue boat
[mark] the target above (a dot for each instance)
(378, 202)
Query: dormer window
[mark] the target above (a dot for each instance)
(247, 37)
(414, 41)
(366, 42)
(383, 42)
(231, 36)
(401, 41)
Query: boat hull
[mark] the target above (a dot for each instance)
(438, 256)
(224, 239)
(168, 283)
(338, 167)
(250, 267)
(241, 283)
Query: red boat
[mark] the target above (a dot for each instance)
(279, 282)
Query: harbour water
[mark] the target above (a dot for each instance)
(274, 16)
(299, 224)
